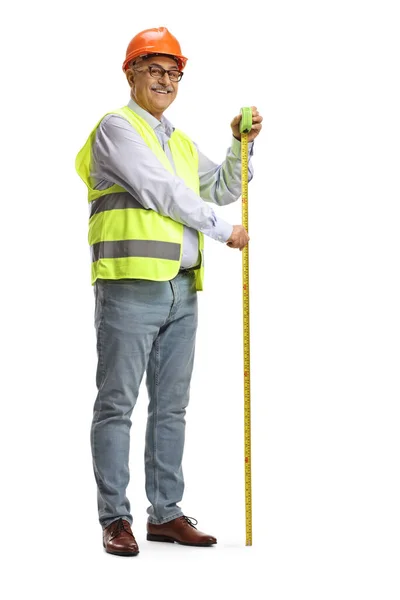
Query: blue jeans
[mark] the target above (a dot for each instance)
(142, 326)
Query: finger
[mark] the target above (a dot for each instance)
(256, 127)
(236, 120)
(257, 119)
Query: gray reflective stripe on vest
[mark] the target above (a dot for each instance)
(145, 248)
(113, 202)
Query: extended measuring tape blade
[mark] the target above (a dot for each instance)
(245, 126)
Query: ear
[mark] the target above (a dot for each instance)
(130, 77)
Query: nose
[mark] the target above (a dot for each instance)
(165, 78)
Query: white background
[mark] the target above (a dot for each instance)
(325, 328)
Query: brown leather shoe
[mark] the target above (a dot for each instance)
(180, 530)
(119, 539)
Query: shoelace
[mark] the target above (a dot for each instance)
(189, 521)
(120, 526)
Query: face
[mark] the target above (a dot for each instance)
(153, 94)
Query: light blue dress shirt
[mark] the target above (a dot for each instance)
(121, 156)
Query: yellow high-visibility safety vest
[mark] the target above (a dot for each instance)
(128, 241)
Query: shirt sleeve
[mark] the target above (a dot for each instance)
(121, 156)
(222, 184)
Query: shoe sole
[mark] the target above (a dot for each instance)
(120, 553)
(151, 537)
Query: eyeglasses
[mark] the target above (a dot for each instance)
(158, 72)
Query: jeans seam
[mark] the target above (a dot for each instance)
(102, 369)
(156, 383)
(175, 302)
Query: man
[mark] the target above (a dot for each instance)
(147, 184)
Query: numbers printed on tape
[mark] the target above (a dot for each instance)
(246, 118)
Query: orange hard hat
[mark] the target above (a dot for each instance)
(154, 41)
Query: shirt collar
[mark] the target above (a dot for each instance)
(164, 124)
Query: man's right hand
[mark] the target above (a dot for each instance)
(239, 238)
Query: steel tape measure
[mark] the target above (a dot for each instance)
(245, 126)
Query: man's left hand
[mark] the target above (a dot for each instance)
(255, 129)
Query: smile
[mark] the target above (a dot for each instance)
(161, 92)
